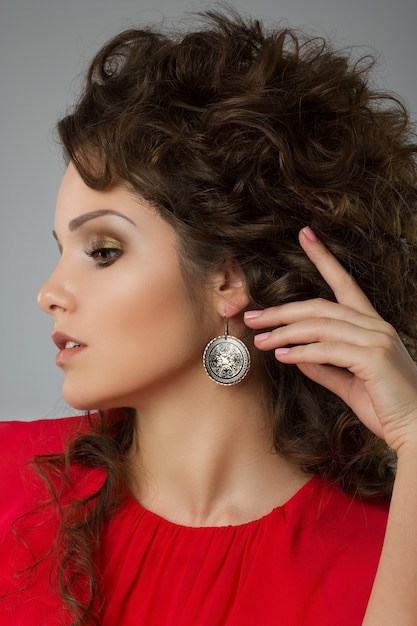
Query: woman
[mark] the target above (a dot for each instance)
(237, 228)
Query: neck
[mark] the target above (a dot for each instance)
(208, 460)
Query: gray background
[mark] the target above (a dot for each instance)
(44, 48)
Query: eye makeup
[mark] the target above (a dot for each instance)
(104, 250)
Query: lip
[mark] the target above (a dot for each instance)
(65, 354)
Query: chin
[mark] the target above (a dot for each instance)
(96, 397)
(82, 402)
(81, 406)
(89, 402)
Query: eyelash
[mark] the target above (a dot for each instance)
(95, 251)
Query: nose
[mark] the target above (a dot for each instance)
(55, 294)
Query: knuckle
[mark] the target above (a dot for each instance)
(388, 330)
(318, 304)
(323, 324)
(385, 349)
(388, 336)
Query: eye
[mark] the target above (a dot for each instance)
(103, 255)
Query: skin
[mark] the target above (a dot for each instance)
(199, 462)
(369, 368)
(373, 373)
(133, 315)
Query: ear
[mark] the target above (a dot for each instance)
(230, 289)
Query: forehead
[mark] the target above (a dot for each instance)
(77, 203)
(75, 195)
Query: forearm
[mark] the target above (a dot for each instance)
(393, 600)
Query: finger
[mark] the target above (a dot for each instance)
(356, 359)
(333, 378)
(310, 310)
(344, 287)
(319, 330)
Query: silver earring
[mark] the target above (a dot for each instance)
(226, 359)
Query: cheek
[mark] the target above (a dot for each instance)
(143, 342)
(155, 312)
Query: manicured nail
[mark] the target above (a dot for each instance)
(262, 337)
(281, 351)
(310, 234)
(249, 315)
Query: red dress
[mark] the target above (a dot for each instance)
(310, 562)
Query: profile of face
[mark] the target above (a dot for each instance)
(123, 319)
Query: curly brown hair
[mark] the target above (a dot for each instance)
(240, 136)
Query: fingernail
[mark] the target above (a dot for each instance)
(248, 315)
(310, 234)
(281, 351)
(261, 337)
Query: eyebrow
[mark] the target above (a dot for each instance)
(77, 222)
(86, 217)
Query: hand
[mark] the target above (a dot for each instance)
(346, 347)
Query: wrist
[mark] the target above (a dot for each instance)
(402, 438)
(407, 451)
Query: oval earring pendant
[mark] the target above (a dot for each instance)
(226, 360)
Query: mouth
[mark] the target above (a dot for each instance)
(68, 348)
(64, 342)
(72, 344)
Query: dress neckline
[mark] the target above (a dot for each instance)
(136, 508)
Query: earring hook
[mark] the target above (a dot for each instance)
(226, 327)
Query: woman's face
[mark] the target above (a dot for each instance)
(118, 294)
